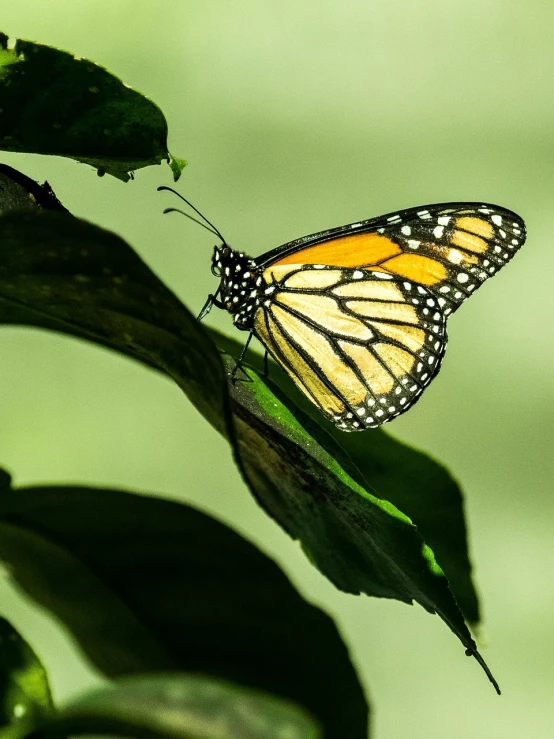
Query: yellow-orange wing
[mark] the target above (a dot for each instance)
(449, 248)
(357, 315)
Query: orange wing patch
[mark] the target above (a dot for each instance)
(423, 270)
(358, 250)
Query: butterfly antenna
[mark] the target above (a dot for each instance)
(182, 212)
(213, 229)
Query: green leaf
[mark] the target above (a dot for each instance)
(416, 484)
(24, 690)
(55, 103)
(294, 467)
(146, 584)
(63, 273)
(180, 706)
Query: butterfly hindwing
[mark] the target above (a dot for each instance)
(361, 345)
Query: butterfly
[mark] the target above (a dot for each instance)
(356, 315)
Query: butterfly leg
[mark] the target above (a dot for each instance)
(212, 300)
(238, 365)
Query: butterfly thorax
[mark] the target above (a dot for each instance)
(241, 287)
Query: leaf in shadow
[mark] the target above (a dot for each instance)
(19, 192)
(65, 274)
(179, 706)
(145, 584)
(24, 690)
(56, 103)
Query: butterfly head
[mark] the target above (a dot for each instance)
(238, 288)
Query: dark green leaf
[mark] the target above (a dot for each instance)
(146, 584)
(60, 272)
(55, 103)
(19, 192)
(416, 484)
(179, 706)
(294, 467)
(24, 690)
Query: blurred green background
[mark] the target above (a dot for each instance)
(296, 117)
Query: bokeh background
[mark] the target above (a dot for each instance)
(297, 116)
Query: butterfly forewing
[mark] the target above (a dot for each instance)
(451, 249)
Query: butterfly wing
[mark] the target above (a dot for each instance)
(361, 346)
(450, 248)
(357, 315)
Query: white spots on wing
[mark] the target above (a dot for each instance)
(497, 249)
(358, 274)
(355, 225)
(515, 242)
(445, 289)
(442, 302)
(394, 218)
(380, 412)
(421, 290)
(462, 277)
(382, 275)
(438, 232)
(517, 231)
(497, 220)
(484, 210)
(413, 243)
(361, 411)
(443, 221)
(431, 302)
(269, 290)
(406, 230)
(415, 301)
(431, 359)
(403, 401)
(424, 214)
(408, 286)
(381, 230)
(502, 233)
(458, 295)
(319, 266)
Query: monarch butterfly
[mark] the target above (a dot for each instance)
(356, 315)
